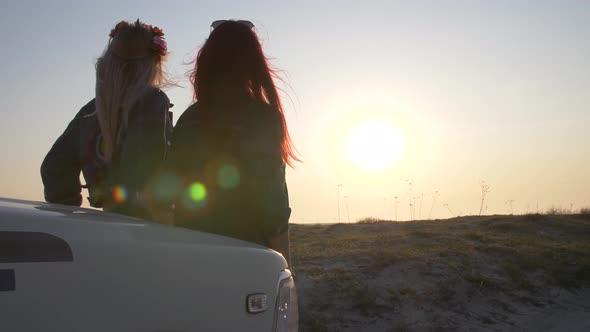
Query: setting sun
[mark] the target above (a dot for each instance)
(374, 145)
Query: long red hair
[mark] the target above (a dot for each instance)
(232, 70)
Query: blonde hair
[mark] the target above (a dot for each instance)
(120, 84)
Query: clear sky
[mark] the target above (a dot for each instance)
(467, 91)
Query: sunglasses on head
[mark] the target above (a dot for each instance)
(217, 23)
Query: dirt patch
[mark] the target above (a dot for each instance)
(499, 273)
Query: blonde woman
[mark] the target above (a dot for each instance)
(120, 137)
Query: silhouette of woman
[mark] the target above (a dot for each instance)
(120, 137)
(231, 146)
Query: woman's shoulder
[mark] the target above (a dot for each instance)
(256, 118)
(189, 125)
(189, 117)
(155, 105)
(156, 97)
(87, 110)
(157, 94)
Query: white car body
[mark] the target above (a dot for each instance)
(73, 269)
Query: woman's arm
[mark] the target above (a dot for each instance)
(60, 170)
(271, 188)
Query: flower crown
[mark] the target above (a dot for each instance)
(158, 43)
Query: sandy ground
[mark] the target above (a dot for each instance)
(569, 312)
(470, 292)
(565, 312)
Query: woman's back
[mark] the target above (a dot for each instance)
(232, 174)
(142, 149)
(230, 149)
(120, 137)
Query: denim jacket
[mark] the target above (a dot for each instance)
(231, 174)
(115, 185)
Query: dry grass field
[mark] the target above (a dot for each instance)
(490, 273)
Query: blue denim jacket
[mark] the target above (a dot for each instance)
(230, 172)
(141, 152)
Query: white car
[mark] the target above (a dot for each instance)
(73, 269)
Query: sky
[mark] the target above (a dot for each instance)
(382, 97)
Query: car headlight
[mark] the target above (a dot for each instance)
(286, 311)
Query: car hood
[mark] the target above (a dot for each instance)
(73, 267)
(22, 215)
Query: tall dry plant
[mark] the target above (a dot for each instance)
(420, 206)
(395, 205)
(338, 191)
(449, 208)
(485, 189)
(347, 210)
(510, 203)
(410, 187)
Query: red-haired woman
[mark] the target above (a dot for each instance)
(230, 147)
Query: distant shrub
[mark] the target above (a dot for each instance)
(557, 211)
(369, 220)
(585, 211)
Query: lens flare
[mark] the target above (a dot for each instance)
(165, 187)
(228, 176)
(119, 194)
(195, 196)
(197, 192)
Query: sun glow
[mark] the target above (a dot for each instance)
(374, 145)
